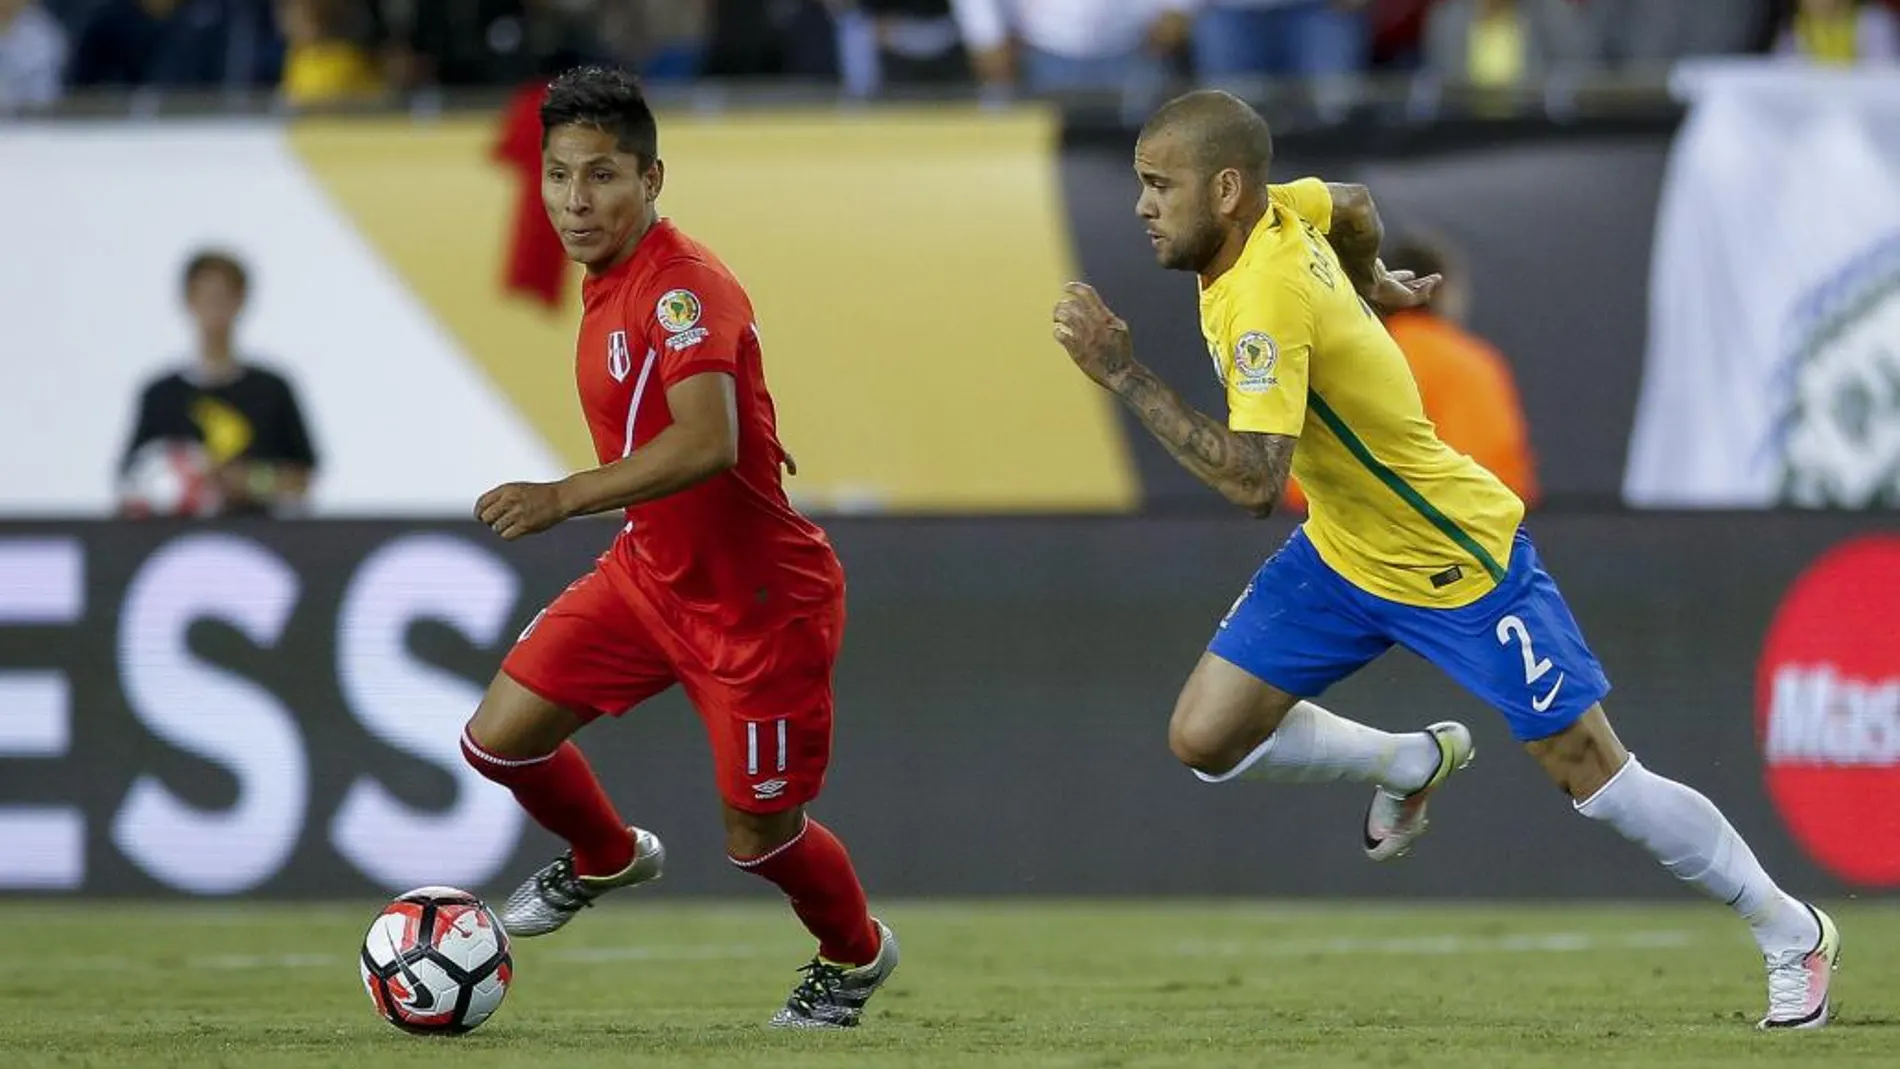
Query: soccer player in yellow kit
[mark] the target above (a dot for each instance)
(1406, 542)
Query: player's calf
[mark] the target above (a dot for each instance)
(856, 953)
(522, 742)
(1684, 831)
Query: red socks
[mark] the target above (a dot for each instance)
(816, 874)
(561, 792)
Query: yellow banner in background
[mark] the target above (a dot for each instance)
(902, 264)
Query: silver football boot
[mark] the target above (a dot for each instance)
(551, 897)
(833, 995)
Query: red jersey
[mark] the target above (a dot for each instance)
(732, 547)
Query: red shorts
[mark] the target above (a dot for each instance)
(603, 647)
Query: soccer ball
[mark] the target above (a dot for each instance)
(169, 477)
(435, 961)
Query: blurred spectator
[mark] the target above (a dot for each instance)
(1840, 33)
(174, 44)
(763, 38)
(1398, 28)
(1285, 38)
(324, 59)
(1638, 33)
(1057, 45)
(1498, 44)
(32, 53)
(1467, 386)
(661, 40)
(242, 419)
(487, 42)
(534, 263)
(898, 42)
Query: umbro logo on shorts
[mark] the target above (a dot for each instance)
(768, 789)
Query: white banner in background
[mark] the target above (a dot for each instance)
(1772, 375)
(96, 220)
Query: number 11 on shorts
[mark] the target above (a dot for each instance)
(765, 790)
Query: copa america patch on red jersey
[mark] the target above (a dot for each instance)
(678, 313)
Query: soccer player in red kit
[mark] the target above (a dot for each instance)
(716, 583)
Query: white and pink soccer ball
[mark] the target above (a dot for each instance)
(170, 477)
(436, 961)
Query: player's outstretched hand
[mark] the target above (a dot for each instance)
(1096, 338)
(1393, 290)
(512, 510)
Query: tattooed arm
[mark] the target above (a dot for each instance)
(1248, 469)
(1355, 235)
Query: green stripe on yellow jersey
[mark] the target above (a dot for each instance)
(1392, 508)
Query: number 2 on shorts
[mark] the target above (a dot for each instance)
(1535, 667)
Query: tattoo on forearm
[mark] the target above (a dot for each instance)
(1248, 469)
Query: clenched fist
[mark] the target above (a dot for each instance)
(1096, 338)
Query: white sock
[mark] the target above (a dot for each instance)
(1692, 839)
(1313, 746)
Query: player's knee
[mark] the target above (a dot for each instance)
(1203, 747)
(513, 725)
(1583, 757)
(489, 752)
(754, 835)
(486, 739)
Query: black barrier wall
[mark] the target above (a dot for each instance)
(273, 709)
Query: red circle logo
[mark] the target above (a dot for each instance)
(1827, 711)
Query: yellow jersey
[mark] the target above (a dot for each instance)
(1392, 508)
(329, 72)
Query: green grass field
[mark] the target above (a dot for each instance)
(990, 984)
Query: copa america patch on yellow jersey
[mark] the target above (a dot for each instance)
(1255, 357)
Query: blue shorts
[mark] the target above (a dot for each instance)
(1302, 627)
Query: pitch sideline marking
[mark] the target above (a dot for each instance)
(1436, 945)
(1415, 946)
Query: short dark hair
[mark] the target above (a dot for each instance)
(1221, 130)
(217, 261)
(608, 99)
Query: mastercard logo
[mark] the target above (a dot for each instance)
(1828, 711)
